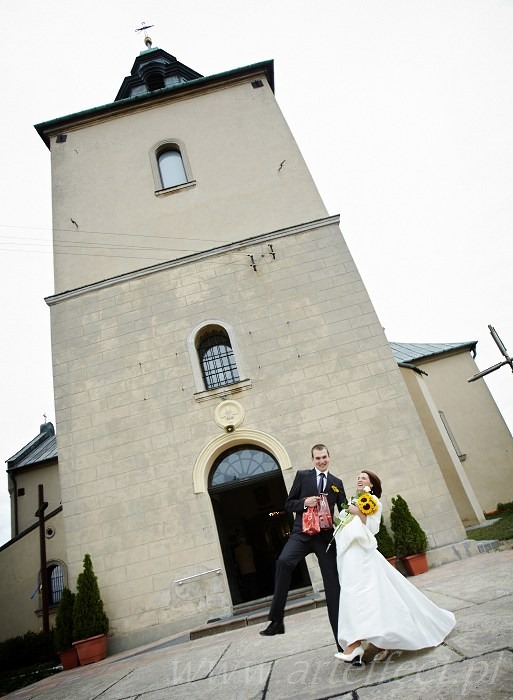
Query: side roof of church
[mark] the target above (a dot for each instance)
(409, 352)
(40, 449)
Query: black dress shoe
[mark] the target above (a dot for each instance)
(273, 628)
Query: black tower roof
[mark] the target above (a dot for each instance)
(154, 69)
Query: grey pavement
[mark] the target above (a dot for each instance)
(234, 661)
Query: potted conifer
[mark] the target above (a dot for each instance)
(63, 630)
(386, 544)
(90, 623)
(410, 539)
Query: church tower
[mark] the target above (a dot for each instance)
(208, 327)
(178, 164)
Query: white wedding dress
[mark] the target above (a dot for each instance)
(377, 603)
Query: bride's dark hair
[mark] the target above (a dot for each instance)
(375, 481)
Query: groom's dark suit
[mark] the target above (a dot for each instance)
(299, 545)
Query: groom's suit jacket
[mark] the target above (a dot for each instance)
(305, 484)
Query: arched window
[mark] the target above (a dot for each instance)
(241, 463)
(171, 168)
(55, 582)
(217, 358)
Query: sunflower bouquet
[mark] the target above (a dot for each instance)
(367, 504)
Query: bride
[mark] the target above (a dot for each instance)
(377, 603)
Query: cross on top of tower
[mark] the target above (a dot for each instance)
(143, 28)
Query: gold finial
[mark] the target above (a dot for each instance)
(143, 28)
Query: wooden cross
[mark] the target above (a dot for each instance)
(40, 514)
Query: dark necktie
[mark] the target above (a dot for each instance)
(321, 482)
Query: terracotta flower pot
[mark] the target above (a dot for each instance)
(415, 564)
(69, 658)
(91, 649)
(392, 560)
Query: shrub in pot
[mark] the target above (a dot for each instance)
(63, 630)
(410, 539)
(386, 544)
(90, 623)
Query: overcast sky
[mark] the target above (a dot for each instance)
(403, 110)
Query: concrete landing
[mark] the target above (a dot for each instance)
(475, 662)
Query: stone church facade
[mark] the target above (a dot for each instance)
(209, 326)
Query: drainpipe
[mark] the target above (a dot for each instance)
(15, 491)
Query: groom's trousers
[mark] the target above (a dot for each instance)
(295, 550)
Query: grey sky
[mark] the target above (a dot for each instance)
(402, 109)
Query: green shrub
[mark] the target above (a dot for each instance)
(27, 650)
(63, 631)
(386, 544)
(409, 537)
(89, 618)
(505, 507)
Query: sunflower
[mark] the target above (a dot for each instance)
(367, 503)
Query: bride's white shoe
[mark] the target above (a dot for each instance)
(355, 657)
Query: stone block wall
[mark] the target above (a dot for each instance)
(130, 426)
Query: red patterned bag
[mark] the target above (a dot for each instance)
(311, 525)
(325, 520)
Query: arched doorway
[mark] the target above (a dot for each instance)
(248, 494)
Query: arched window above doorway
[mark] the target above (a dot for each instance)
(218, 447)
(217, 359)
(241, 463)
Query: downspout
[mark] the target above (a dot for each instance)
(13, 478)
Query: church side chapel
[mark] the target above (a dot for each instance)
(208, 328)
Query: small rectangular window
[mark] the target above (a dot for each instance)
(21, 492)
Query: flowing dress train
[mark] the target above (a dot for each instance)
(377, 603)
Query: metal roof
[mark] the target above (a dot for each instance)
(41, 449)
(408, 352)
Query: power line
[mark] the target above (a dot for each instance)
(88, 244)
(73, 248)
(109, 233)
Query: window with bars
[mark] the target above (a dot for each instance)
(217, 359)
(55, 578)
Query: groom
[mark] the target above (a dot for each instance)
(307, 486)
